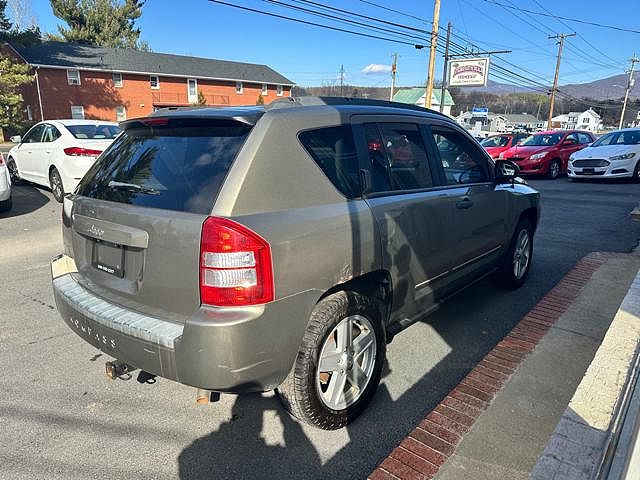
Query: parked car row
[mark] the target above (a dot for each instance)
(573, 152)
(57, 153)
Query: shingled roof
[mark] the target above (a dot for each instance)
(70, 55)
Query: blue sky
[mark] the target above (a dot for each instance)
(312, 56)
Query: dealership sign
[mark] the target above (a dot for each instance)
(468, 72)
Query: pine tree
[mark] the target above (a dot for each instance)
(5, 23)
(14, 76)
(106, 23)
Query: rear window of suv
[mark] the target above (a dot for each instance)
(180, 166)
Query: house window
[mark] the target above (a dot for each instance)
(121, 113)
(73, 77)
(239, 88)
(279, 90)
(154, 81)
(192, 89)
(77, 112)
(265, 89)
(117, 79)
(586, 120)
(29, 113)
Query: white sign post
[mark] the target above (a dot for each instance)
(472, 72)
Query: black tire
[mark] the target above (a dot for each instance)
(13, 172)
(506, 276)
(636, 173)
(57, 188)
(299, 392)
(555, 169)
(6, 205)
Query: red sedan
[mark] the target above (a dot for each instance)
(547, 153)
(496, 144)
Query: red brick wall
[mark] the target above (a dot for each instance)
(99, 97)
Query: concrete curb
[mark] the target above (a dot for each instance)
(434, 440)
(577, 448)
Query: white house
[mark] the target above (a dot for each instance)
(587, 120)
(497, 122)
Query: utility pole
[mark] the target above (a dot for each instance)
(341, 80)
(394, 67)
(630, 82)
(432, 54)
(443, 89)
(561, 36)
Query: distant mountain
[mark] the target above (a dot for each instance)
(610, 88)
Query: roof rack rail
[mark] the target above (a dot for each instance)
(337, 101)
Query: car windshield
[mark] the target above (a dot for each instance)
(543, 139)
(631, 137)
(94, 132)
(496, 141)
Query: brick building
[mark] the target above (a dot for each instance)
(81, 81)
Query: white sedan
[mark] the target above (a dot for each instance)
(57, 153)
(614, 155)
(5, 186)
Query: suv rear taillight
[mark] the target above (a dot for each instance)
(235, 265)
(81, 152)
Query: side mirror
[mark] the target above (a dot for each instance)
(16, 139)
(567, 143)
(506, 171)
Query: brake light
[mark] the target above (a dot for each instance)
(235, 265)
(1, 159)
(155, 121)
(81, 152)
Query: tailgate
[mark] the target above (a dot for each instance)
(137, 217)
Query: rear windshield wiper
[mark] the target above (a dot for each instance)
(133, 186)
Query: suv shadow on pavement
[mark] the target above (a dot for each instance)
(238, 450)
(26, 199)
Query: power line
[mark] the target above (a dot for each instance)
(340, 19)
(315, 24)
(405, 14)
(576, 20)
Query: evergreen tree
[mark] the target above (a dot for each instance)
(14, 76)
(12, 34)
(106, 23)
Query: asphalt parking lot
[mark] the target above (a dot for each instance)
(61, 418)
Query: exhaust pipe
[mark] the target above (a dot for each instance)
(206, 396)
(117, 369)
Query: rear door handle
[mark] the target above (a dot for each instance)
(464, 203)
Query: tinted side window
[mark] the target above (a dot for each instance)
(572, 137)
(51, 134)
(34, 135)
(398, 157)
(461, 160)
(334, 150)
(584, 138)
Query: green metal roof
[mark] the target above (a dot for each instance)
(413, 95)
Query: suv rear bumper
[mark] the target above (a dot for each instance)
(221, 349)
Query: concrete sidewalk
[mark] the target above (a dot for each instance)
(497, 422)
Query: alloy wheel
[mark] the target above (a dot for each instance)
(56, 185)
(346, 362)
(555, 169)
(13, 171)
(521, 254)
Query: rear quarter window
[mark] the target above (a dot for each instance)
(175, 167)
(334, 151)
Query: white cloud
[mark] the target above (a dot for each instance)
(376, 69)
